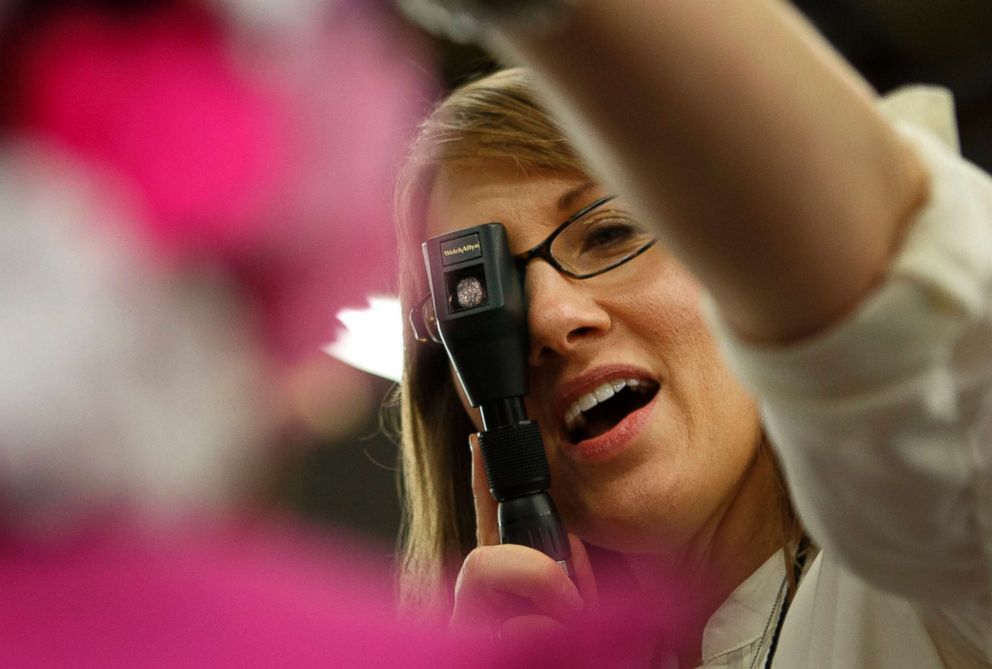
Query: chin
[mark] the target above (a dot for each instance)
(621, 539)
(630, 514)
(630, 532)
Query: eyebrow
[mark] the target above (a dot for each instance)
(567, 201)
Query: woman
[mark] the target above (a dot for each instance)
(697, 465)
(804, 256)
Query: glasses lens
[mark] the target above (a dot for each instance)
(601, 239)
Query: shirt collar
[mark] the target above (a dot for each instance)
(743, 618)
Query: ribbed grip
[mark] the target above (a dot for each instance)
(532, 520)
(515, 460)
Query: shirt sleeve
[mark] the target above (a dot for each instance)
(883, 423)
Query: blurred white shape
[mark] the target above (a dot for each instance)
(120, 385)
(372, 338)
(930, 107)
(293, 15)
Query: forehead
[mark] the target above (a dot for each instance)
(530, 204)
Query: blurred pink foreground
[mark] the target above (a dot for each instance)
(184, 205)
(113, 596)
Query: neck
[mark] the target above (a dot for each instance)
(701, 574)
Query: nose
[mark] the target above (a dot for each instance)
(562, 314)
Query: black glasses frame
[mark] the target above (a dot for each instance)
(419, 318)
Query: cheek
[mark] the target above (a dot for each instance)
(668, 319)
(717, 417)
(665, 307)
(720, 417)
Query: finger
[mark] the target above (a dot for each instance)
(498, 582)
(585, 579)
(487, 525)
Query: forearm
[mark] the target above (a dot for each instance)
(755, 150)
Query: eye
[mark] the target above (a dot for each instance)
(603, 234)
(608, 235)
(600, 240)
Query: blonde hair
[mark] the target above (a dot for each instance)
(498, 118)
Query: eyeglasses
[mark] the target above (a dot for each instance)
(590, 242)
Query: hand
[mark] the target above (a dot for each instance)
(515, 591)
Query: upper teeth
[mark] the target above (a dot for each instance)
(604, 392)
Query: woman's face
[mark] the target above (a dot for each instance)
(659, 463)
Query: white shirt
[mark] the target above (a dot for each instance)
(884, 428)
(739, 634)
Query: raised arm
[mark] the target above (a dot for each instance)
(758, 152)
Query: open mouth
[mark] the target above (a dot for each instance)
(597, 412)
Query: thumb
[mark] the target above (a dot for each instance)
(487, 528)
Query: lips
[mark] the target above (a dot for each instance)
(621, 392)
(602, 411)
